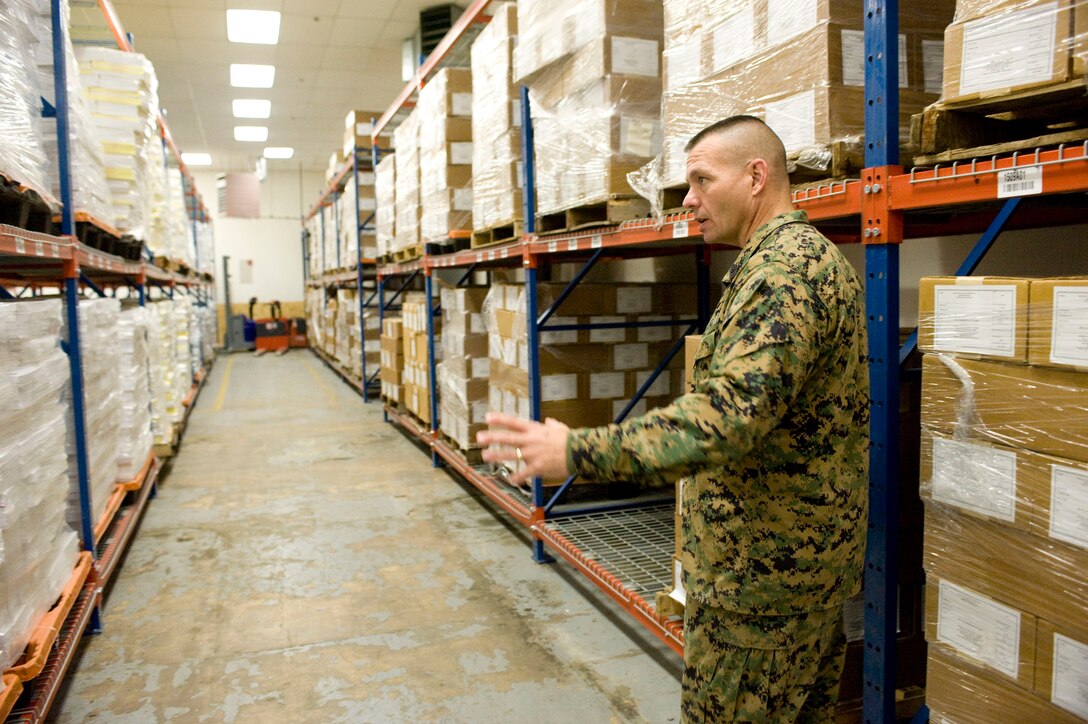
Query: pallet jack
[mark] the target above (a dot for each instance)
(273, 333)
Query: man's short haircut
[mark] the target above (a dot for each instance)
(726, 124)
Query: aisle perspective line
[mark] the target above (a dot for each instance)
(222, 394)
(320, 382)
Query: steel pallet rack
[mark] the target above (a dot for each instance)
(363, 276)
(881, 209)
(29, 263)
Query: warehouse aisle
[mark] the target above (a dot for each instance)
(303, 562)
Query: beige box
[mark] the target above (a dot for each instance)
(983, 317)
(358, 132)
(1037, 408)
(1058, 331)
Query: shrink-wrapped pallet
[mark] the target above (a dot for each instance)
(135, 439)
(166, 407)
(22, 156)
(37, 549)
(407, 199)
(385, 212)
(445, 155)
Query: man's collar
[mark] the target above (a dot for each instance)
(774, 224)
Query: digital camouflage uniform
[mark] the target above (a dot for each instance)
(772, 445)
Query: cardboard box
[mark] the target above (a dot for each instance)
(358, 130)
(983, 317)
(1058, 327)
(1037, 408)
(1060, 664)
(960, 691)
(1019, 45)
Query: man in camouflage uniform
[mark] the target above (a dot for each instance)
(771, 442)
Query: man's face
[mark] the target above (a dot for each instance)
(720, 190)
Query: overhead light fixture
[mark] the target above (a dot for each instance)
(243, 75)
(253, 26)
(196, 159)
(251, 108)
(251, 133)
(279, 152)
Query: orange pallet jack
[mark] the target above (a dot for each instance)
(272, 333)
(296, 331)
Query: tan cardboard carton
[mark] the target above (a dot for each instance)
(983, 317)
(1058, 331)
(1060, 663)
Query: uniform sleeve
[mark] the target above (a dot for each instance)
(757, 365)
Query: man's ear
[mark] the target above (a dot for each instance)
(758, 171)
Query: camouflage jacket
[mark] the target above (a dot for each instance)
(771, 441)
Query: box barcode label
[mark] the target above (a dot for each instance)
(596, 241)
(680, 230)
(1023, 181)
(553, 246)
(20, 247)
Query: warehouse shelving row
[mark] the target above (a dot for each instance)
(31, 263)
(625, 549)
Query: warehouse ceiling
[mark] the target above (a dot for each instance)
(332, 56)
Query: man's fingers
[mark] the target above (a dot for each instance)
(501, 437)
(497, 419)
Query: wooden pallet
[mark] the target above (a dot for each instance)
(1019, 121)
(838, 160)
(472, 456)
(498, 234)
(608, 212)
(410, 254)
(23, 208)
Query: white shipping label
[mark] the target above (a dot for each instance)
(639, 136)
(655, 334)
(556, 388)
(787, 18)
(523, 410)
(366, 204)
(661, 386)
(853, 618)
(975, 477)
(481, 367)
(606, 385)
(478, 325)
(634, 300)
(976, 318)
(523, 356)
(631, 356)
(1070, 687)
(609, 336)
(853, 58)
(734, 39)
(1069, 339)
(515, 113)
(461, 155)
(366, 178)
(794, 119)
(462, 199)
(684, 64)
(479, 413)
(638, 410)
(1009, 49)
(979, 627)
(1069, 505)
(569, 336)
(366, 128)
(461, 104)
(1021, 181)
(635, 56)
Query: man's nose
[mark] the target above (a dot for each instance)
(689, 200)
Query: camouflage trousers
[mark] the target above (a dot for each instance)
(766, 669)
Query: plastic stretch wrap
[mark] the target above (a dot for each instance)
(386, 212)
(205, 244)
(22, 157)
(445, 154)
(1004, 476)
(587, 377)
(349, 240)
(594, 74)
(998, 47)
(312, 230)
(166, 388)
(121, 93)
(496, 124)
(90, 192)
(179, 227)
(37, 549)
(465, 366)
(407, 198)
(798, 64)
(330, 255)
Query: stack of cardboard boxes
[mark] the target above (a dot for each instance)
(327, 239)
(417, 367)
(406, 182)
(463, 373)
(385, 213)
(347, 325)
(350, 253)
(798, 64)
(358, 134)
(392, 361)
(445, 155)
(594, 74)
(1005, 482)
(496, 124)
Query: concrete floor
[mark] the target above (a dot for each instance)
(304, 563)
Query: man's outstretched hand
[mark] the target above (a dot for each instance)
(541, 448)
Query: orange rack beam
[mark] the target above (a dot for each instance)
(10, 688)
(484, 484)
(115, 538)
(112, 506)
(43, 637)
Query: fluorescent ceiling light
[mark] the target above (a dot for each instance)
(252, 108)
(251, 133)
(196, 159)
(279, 152)
(253, 26)
(252, 76)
